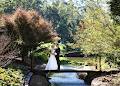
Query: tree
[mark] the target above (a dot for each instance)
(65, 17)
(9, 6)
(27, 29)
(96, 33)
(115, 10)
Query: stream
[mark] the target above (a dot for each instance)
(66, 79)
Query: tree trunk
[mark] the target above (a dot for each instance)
(100, 63)
(24, 53)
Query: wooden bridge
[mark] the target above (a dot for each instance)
(77, 71)
(91, 74)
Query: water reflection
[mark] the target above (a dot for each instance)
(66, 79)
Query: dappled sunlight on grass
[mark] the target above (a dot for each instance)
(85, 61)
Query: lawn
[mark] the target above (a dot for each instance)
(86, 61)
(82, 61)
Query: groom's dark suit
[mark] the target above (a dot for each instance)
(57, 57)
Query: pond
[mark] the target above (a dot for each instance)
(66, 79)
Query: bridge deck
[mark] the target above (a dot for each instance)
(61, 71)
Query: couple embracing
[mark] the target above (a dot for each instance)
(53, 61)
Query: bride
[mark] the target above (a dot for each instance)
(52, 62)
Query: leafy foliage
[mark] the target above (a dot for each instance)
(9, 6)
(29, 26)
(10, 77)
(96, 36)
(28, 29)
(41, 55)
(64, 60)
(65, 17)
(115, 10)
(97, 33)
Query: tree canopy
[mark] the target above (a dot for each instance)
(97, 34)
(64, 15)
(115, 9)
(28, 26)
(26, 29)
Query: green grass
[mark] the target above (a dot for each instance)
(83, 61)
(79, 59)
(90, 61)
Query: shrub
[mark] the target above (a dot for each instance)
(76, 63)
(10, 77)
(42, 52)
(64, 60)
(42, 56)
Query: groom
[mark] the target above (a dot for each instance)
(57, 50)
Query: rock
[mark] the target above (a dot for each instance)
(82, 75)
(101, 81)
(39, 80)
(40, 67)
(111, 80)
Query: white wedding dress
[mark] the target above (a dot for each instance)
(52, 62)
